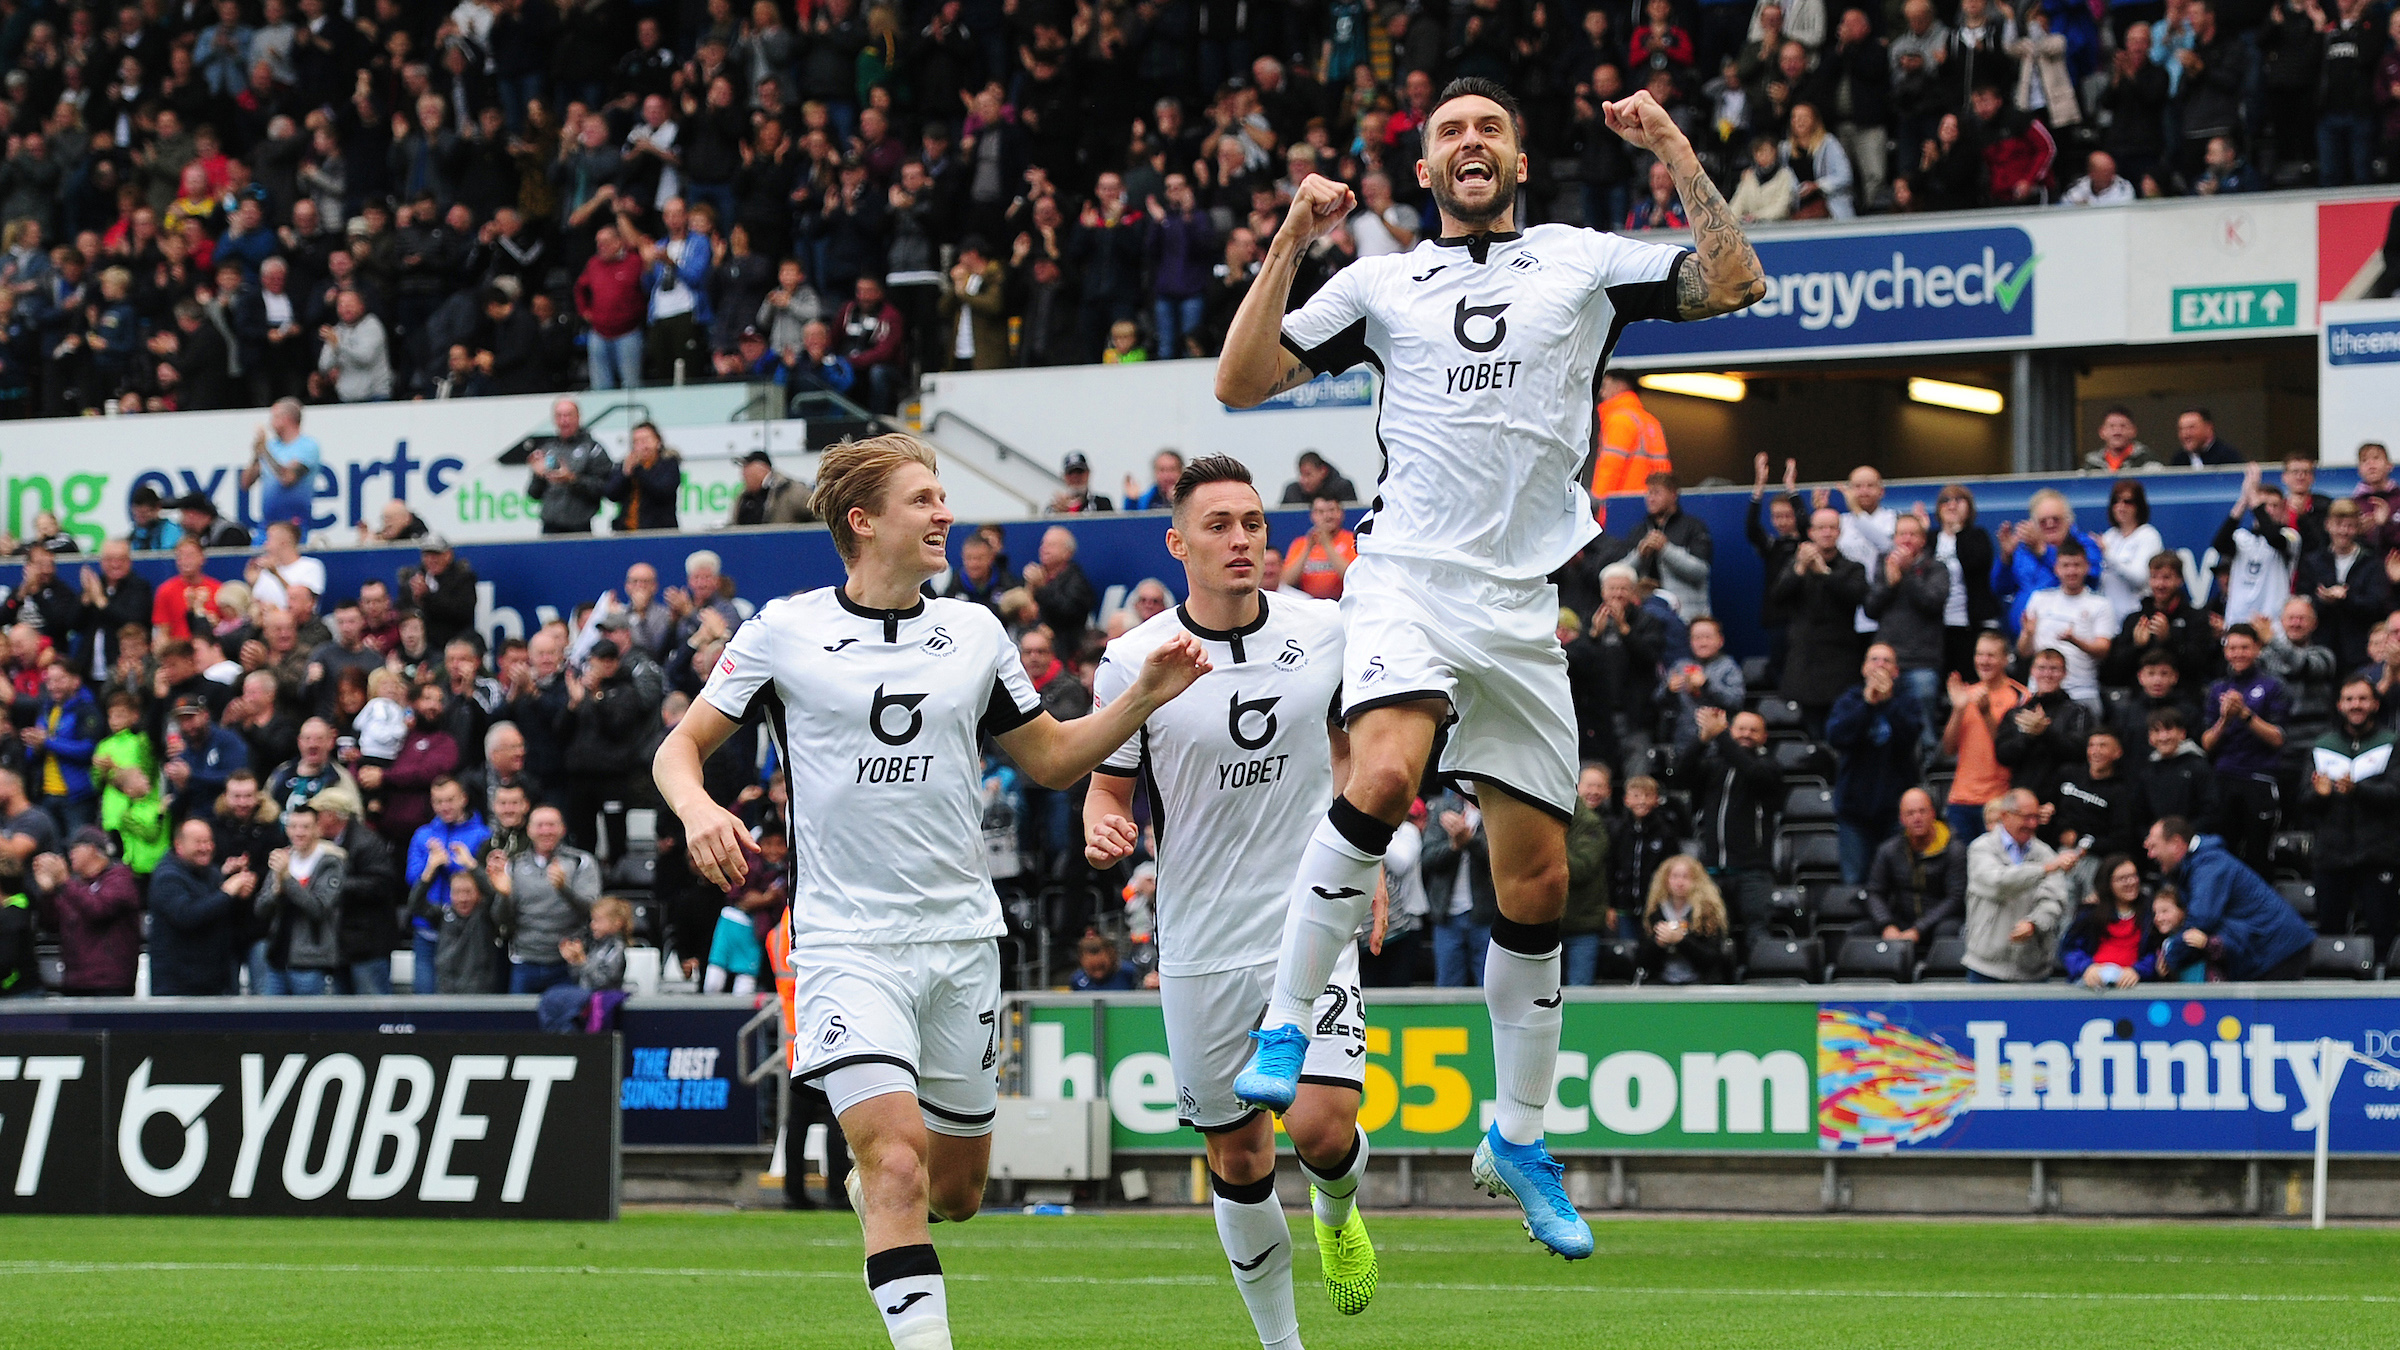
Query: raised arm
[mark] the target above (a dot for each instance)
(1255, 365)
(1727, 275)
(1055, 754)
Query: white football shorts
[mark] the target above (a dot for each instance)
(1209, 1020)
(870, 1019)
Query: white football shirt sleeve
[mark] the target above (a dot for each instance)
(1329, 333)
(1012, 700)
(1112, 679)
(744, 670)
(1637, 274)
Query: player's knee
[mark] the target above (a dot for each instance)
(1382, 790)
(893, 1176)
(1319, 1139)
(1534, 889)
(959, 1201)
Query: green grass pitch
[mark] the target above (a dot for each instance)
(1158, 1282)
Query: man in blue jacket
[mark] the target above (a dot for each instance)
(453, 839)
(1874, 727)
(2262, 937)
(59, 740)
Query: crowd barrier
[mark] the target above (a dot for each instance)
(2196, 1070)
(482, 1126)
(677, 1068)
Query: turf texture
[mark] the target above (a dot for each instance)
(1158, 1282)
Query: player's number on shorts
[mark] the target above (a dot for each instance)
(1330, 1023)
(991, 1044)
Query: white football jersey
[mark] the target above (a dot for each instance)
(1238, 770)
(877, 716)
(1487, 359)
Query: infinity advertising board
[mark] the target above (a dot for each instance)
(2208, 1072)
(470, 1126)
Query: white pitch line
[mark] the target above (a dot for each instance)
(711, 1272)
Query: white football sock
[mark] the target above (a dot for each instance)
(906, 1283)
(1333, 891)
(1522, 994)
(1337, 1194)
(1258, 1245)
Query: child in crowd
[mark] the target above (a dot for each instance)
(1124, 344)
(1645, 834)
(127, 746)
(2179, 957)
(382, 725)
(737, 951)
(599, 966)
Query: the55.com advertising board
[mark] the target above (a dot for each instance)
(2211, 1070)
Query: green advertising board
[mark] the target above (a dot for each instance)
(1652, 1075)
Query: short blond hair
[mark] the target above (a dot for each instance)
(618, 908)
(853, 476)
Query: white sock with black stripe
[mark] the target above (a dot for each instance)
(907, 1285)
(1337, 1190)
(1258, 1245)
(1332, 891)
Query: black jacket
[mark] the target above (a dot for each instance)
(1821, 610)
(1439, 863)
(1739, 796)
(1907, 889)
(2353, 828)
(2108, 815)
(372, 896)
(602, 734)
(2036, 761)
(1637, 846)
(2190, 640)
(2184, 784)
(195, 930)
(1710, 958)
(1975, 557)
(2342, 622)
(648, 495)
(2131, 718)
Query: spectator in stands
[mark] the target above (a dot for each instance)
(570, 471)
(442, 861)
(2349, 599)
(2306, 669)
(610, 297)
(1317, 560)
(1685, 938)
(442, 589)
(355, 360)
(196, 916)
(42, 600)
(2196, 443)
(1867, 526)
(94, 905)
(2016, 896)
(2261, 550)
(1613, 672)
(1457, 867)
(1314, 477)
(2159, 685)
(370, 898)
(427, 754)
(2073, 621)
(1060, 590)
(1077, 496)
(604, 720)
(470, 956)
(1775, 543)
(152, 531)
(2120, 451)
(200, 521)
(1876, 726)
(2247, 710)
(287, 462)
(2350, 801)
(2029, 557)
(1590, 919)
(1099, 968)
(59, 736)
(1710, 678)
(2101, 184)
(2167, 623)
(2126, 548)
(2263, 937)
(2018, 149)
(2304, 507)
(1918, 882)
(1672, 547)
(2377, 494)
(648, 483)
(1908, 599)
(2097, 806)
(768, 497)
(1738, 789)
(2111, 938)
(1820, 592)
(208, 753)
(1965, 550)
(2044, 736)
(1165, 468)
(542, 897)
(313, 770)
(301, 900)
(1977, 712)
(1818, 161)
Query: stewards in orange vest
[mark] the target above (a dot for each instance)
(1316, 560)
(1633, 445)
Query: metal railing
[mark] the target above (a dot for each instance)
(1001, 450)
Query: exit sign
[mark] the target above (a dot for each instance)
(2216, 309)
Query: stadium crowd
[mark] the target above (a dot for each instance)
(212, 205)
(1981, 749)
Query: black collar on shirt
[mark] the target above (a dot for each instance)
(1478, 245)
(890, 618)
(1231, 637)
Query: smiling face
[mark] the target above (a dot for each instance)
(1472, 164)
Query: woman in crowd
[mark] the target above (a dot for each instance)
(1684, 936)
(2111, 937)
(2127, 547)
(1965, 550)
(1821, 167)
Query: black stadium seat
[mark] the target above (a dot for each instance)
(1805, 762)
(1946, 959)
(1810, 856)
(1787, 961)
(2300, 895)
(1893, 960)
(1808, 808)
(1620, 961)
(1781, 715)
(2342, 958)
(1754, 674)
(1787, 909)
(2291, 852)
(1837, 905)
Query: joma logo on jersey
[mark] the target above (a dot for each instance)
(1465, 311)
(905, 702)
(1265, 708)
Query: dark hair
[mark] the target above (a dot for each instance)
(2130, 489)
(1207, 469)
(2117, 410)
(1956, 492)
(2196, 410)
(2175, 827)
(2247, 630)
(2166, 558)
(125, 698)
(2093, 917)
(1664, 479)
(2343, 688)
(2167, 719)
(2072, 547)
(2159, 656)
(1474, 86)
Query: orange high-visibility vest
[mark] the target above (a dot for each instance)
(779, 960)
(1633, 446)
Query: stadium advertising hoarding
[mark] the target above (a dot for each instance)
(423, 1126)
(2358, 375)
(2194, 1072)
(444, 458)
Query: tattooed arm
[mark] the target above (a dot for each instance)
(1724, 274)
(1256, 365)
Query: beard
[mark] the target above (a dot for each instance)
(1504, 195)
